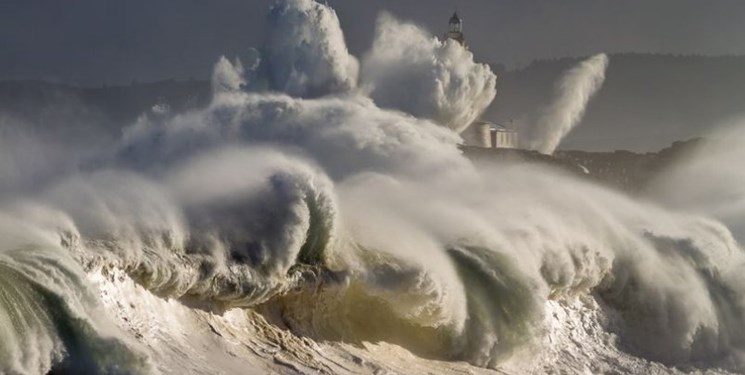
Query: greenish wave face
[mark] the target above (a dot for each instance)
(47, 315)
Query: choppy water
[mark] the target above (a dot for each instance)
(300, 225)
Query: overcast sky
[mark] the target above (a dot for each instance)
(91, 42)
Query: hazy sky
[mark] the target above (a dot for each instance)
(90, 42)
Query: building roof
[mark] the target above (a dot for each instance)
(455, 18)
(495, 126)
(501, 128)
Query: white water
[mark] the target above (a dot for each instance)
(312, 230)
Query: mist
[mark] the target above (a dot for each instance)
(411, 70)
(710, 181)
(328, 219)
(572, 94)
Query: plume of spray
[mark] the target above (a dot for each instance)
(359, 223)
(709, 179)
(410, 70)
(572, 94)
(227, 76)
(307, 55)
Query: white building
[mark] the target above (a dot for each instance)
(502, 137)
(490, 135)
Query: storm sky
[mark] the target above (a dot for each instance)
(91, 42)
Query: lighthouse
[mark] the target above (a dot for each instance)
(455, 30)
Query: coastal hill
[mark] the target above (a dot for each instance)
(646, 103)
(39, 104)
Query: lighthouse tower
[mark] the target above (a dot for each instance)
(455, 30)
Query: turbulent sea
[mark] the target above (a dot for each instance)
(318, 217)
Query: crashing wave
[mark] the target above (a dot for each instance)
(317, 231)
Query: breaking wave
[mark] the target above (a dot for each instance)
(319, 226)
